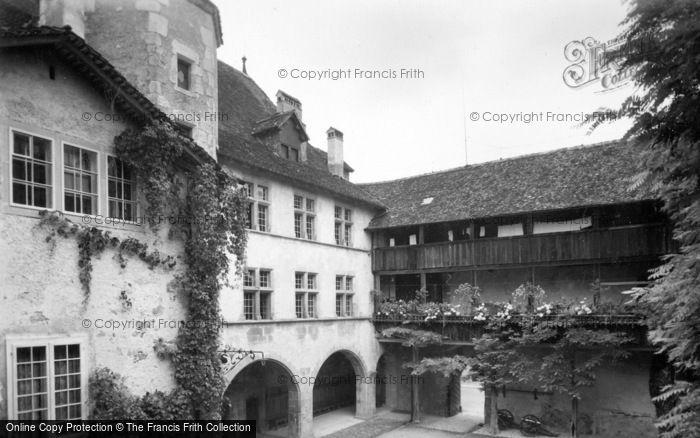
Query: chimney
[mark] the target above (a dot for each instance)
(61, 13)
(285, 103)
(336, 163)
(244, 59)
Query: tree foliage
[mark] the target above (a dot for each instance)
(413, 338)
(664, 52)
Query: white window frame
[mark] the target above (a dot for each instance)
(257, 289)
(345, 238)
(344, 293)
(306, 292)
(305, 214)
(137, 213)
(54, 161)
(98, 179)
(255, 202)
(12, 342)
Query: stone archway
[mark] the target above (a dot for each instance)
(342, 380)
(265, 391)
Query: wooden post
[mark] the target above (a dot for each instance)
(415, 395)
(421, 234)
(493, 410)
(574, 400)
(574, 417)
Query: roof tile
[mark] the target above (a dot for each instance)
(249, 110)
(565, 178)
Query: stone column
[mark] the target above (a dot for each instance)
(365, 396)
(306, 398)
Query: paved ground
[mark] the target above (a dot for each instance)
(388, 424)
(374, 427)
(342, 423)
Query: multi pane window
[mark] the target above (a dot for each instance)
(344, 295)
(47, 381)
(121, 190)
(343, 226)
(258, 208)
(80, 180)
(304, 218)
(257, 294)
(311, 305)
(249, 305)
(299, 305)
(31, 170)
(305, 302)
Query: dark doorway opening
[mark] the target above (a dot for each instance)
(335, 384)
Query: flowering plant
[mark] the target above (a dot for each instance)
(545, 309)
(527, 297)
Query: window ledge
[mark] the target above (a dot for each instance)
(297, 320)
(78, 219)
(186, 92)
(315, 242)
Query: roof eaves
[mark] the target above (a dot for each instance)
(368, 199)
(97, 69)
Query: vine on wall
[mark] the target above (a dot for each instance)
(92, 241)
(210, 219)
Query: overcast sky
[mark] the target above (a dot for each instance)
(493, 57)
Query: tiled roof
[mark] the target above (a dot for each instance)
(565, 178)
(276, 122)
(91, 65)
(13, 17)
(245, 105)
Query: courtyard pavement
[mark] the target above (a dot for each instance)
(387, 424)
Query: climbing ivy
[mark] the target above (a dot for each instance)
(217, 230)
(92, 241)
(211, 221)
(210, 218)
(152, 153)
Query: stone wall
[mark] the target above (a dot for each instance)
(41, 294)
(143, 39)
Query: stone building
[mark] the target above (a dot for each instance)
(304, 302)
(66, 93)
(299, 332)
(563, 220)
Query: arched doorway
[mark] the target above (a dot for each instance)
(265, 391)
(335, 384)
(342, 393)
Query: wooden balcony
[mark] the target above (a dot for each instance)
(629, 242)
(465, 330)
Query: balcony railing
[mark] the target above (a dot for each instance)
(465, 329)
(599, 244)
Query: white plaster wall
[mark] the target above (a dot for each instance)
(303, 345)
(280, 252)
(40, 292)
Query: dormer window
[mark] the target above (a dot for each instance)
(184, 69)
(290, 153)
